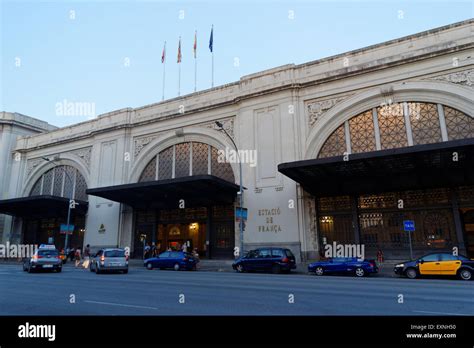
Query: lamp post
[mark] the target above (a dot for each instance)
(241, 192)
(71, 202)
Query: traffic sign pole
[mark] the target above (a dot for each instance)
(411, 249)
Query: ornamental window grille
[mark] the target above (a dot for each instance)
(184, 159)
(424, 122)
(424, 127)
(362, 133)
(57, 183)
(335, 145)
(458, 124)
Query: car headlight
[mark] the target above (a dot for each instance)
(400, 265)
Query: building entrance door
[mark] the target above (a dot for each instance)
(223, 240)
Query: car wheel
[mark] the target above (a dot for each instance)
(276, 269)
(30, 270)
(319, 271)
(359, 272)
(125, 272)
(149, 266)
(411, 273)
(239, 268)
(176, 267)
(194, 268)
(465, 274)
(59, 269)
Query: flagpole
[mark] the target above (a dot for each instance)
(211, 47)
(195, 61)
(179, 67)
(179, 78)
(164, 64)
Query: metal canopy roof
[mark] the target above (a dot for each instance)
(196, 191)
(44, 206)
(415, 167)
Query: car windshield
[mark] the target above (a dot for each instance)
(48, 253)
(115, 253)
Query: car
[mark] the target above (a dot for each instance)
(177, 260)
(437, 264)
(109, 260)
(343, 265)
(46, 257)
(275, 260)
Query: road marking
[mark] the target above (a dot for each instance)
(120, 304)
(440, 313)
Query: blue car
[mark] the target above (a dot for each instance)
(343, 265)
(177, 260)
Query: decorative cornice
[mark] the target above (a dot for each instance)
(227, 123)
(316, 108)
(31, 164)
(84, 154)
(140, 143)
(465, 78)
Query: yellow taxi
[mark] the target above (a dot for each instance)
(437, 264)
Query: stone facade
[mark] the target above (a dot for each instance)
(285, 114)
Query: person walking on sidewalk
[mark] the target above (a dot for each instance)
(87, 254)
(77, 257)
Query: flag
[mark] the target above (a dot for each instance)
(211, 39)
(195, 43)
(163, 55)
(179, 51)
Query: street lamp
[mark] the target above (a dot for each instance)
(71, 202)
(241, 192)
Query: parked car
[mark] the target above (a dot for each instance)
(343, 265)
(109, 260)
(177, 260)
(46, 257)
(275, 260)
(439, 264)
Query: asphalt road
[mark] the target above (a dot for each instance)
(143, 292)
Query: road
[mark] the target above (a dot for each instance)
(143, 292)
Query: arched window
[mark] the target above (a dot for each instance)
(398, 125)
(187, 159)
(61, 181)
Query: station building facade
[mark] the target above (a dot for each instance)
(347, 149)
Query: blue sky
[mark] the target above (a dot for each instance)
(83, 59)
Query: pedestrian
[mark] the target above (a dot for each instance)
(146, 254)
(380, 256)
(87, 254)
(184, 248)
(77, 257)
(70, 253)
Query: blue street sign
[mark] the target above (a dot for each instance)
(239, 212)
(409, 225)
(64, 228)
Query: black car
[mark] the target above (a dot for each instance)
(273, 260)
